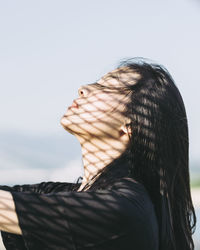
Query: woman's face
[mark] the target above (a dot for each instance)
(99, 108)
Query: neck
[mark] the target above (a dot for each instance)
(97, 153)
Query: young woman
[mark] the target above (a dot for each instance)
(135, 192)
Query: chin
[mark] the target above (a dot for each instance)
(65, 122)
(67, 129)
(67, 125)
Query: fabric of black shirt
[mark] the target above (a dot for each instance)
(56, 216)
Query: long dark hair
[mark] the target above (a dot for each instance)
(157, 154)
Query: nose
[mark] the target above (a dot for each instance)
(83, 91)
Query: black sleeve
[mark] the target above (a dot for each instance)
(42, 188)
(71, 220)
(16, 242)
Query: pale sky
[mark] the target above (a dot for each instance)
(49, 48)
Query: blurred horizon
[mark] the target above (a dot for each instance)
(34, 158)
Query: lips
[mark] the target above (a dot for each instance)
(74, 105)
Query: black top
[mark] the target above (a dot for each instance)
(53, 215)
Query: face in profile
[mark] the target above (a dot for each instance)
(99, 109)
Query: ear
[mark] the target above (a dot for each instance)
(124, 129)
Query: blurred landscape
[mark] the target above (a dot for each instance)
(32, 158)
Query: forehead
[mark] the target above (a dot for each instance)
(120, 77)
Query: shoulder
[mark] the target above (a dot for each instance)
(134, 191)
(136, 196)
(127, 183)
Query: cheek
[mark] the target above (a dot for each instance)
(98, 106)
(104, 112)
(102, 102)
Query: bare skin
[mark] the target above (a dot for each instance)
(99, 123)
(96, 158)
(8, 217)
